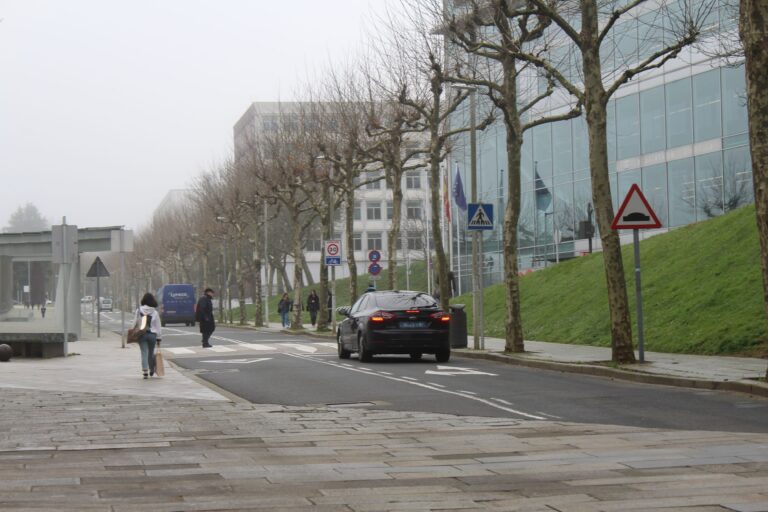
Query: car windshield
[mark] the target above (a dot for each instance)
(413, 300)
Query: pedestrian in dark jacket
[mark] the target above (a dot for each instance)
(204, 316)
(313, 306)
(284, 307)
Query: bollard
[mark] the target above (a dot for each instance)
(458, 327)
(5, 353)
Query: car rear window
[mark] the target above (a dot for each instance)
(404, 300)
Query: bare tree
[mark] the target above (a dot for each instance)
(753, 27)
(588, 27)
(492, 36)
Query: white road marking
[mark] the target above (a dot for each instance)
(237, 361)
(410, 378)
(179, 350)
(435, 384)
(221, 348)
(329, 345)
(427, 386)
(457, 370)
(301, 348)
(502, 401)
(468, 392)
(256, 346)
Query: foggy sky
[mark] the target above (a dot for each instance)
(106, 105)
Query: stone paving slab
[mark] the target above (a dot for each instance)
(164, 454)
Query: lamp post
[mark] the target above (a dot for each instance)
(477, 277)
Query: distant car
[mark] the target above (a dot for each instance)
(105, 304)
(87, 299)
(394, 322)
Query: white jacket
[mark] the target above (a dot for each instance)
(155, 326)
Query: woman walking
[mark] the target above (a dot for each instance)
(151, 338)
(284, 308)
(313, 306)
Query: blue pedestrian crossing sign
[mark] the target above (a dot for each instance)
(479, 216)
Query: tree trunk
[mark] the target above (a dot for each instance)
(513, 321)
(297, 271)
(306, 269)
(397, 215)
(327, 226)
(753, 27)
(443, 282)
(258, 303)
(240, 279)
(595, 105)
(349, 221)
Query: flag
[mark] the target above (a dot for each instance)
(446, 197)
(543, 195)
(458, 191)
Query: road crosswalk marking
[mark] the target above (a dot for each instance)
(256, 346)
(179, 350)
(301, 348)
(221, 348)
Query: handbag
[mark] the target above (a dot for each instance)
(159, 364)
(136, 332)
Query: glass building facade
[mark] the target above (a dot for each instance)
(680, 133)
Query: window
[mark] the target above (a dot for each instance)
(628, 127)
(412, 180)
(652, 130)
(679, 123)
(626, 42)
(737, 179)
(542, 149)
(313, 245)
(357, 241)
(356, 212)
(390, 210)
(580, 144)
(373, 210)
(415, 241)
(561, 145)
(706, 105)
(376, 185)
(682, 193)
(374, 240)
(655, 190)
(734, 101)
(709, 185)
(413, 210)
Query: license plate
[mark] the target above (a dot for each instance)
(413, 325)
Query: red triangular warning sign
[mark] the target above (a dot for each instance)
(635, 212)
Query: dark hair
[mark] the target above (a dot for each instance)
(208, 290)
(149, 300)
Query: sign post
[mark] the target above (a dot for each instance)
(479, 218)
(635, 213)
(98, 270)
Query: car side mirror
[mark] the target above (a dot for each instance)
(344, 310)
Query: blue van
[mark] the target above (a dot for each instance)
(177, 304)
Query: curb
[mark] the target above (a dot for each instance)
(740, 386)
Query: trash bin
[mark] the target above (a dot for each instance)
(458, 328)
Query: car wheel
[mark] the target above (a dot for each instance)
(343, 353)
(365, 355)
(442, 356)
(416, 356)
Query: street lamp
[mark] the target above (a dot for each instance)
(477, 277)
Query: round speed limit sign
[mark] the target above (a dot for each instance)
(332, 248)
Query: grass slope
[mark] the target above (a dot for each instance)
(702, 293)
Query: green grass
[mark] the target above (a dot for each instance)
(701, 284)
(702, 293)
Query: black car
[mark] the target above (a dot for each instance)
(394, 322)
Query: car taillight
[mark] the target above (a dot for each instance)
(443, 317)
(412, 311)
(381, 316)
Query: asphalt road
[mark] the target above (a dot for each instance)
(265, 367)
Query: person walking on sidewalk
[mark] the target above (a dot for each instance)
(284, 308)
(313, 306)
(204, 316)
(151, 338)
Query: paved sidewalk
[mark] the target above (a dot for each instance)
(86, 433)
